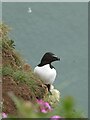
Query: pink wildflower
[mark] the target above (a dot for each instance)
(40, 101)
(43, 111)
(56, 117)
(4, 115)
(44, 106)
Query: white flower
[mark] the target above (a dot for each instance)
(56, 94)
(54, 97)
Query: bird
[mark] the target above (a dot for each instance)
(29, 10)
(45, 70)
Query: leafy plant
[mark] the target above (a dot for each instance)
(42, 109)
(26, 109)
(67, 108)
(11, 43)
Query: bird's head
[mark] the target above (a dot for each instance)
(49, 58)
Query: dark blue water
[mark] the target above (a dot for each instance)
(61, 28)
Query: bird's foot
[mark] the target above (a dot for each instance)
(49, 86)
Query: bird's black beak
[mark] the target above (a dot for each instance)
(56, 58)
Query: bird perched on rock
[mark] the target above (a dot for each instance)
(45, 71)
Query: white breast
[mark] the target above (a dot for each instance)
(47, 74)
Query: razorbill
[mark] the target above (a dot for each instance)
(45, 71)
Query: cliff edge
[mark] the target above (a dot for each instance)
(17, 75)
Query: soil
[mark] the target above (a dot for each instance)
(20, 90)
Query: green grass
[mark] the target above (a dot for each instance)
(20, 76)
(7, 70)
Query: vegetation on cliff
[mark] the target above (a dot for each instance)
(17, 76)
